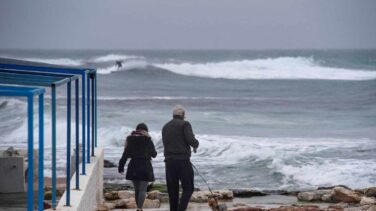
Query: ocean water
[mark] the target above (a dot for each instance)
(264, 119)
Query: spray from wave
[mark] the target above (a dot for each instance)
(114, 57)
(272, 68)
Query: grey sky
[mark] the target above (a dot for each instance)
(187, 24)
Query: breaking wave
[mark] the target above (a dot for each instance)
(300, 162)
(114, 57)
(57, 61)
(271, 68)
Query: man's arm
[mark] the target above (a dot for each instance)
(189, 136)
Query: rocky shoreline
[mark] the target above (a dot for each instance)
(336, 198)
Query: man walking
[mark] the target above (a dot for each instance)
(178, 138)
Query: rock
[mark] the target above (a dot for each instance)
(125, 203)
(342, 194)
(163, 197)
(154, 195)
(125, 194)
(131, 203)
(224, 194)
(200, 196)
(246, 209)
(113, 195)
(341, 204)
(335, 208)
(109, 164)
(239, 205)
(373, 208)
(308, 196)
(327, 198)
(367, 200)
(370, 192)
(110, 205)
(102, 207)
(152, 203)
(247, 193)
(297, 208)
(316, 195)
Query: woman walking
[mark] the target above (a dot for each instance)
(140, 149)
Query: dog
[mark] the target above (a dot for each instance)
(215, 206)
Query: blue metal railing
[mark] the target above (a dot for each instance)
(36, 74)
(29, 93)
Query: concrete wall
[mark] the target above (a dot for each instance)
(11, 171)
(91, 187)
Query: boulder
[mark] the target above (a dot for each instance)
(154, 195)
(308, 196)
(224, 194)
(156, 203)
(125, 203)
(110, 196)
(247, 193)
(335, 208)
(102, 207)
(110, 205)
(370, 192)
(162, 197)
(131, 204)
(372, 208)
(125, 194)
(342, 194)
(109, 164)
(327, 198)
(200, 196)
(297, 208)
(367, 200)
(246, 209)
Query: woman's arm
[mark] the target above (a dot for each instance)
(123, 159)
(152, 150)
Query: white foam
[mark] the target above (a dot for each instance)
(106, 98)
(271, 68)
(57, 61)
(114, 57)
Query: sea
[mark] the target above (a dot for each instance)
(265, 119)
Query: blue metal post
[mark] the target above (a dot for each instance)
(68, 143)
(96, 124)
(88, 119)
(41, 153)
(53, 110)
(77, 136)
(83, 124)
(92, 115)
(30, 157)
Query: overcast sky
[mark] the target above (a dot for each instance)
(187, 24)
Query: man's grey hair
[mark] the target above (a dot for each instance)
(178, 111)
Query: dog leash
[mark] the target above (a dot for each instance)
(198, 172)
(220, 207)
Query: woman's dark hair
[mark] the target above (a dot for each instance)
(142, 126)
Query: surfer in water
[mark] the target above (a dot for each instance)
(119, 64)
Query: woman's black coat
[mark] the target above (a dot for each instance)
(140, 149)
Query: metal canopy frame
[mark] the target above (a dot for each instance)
(37, 74)
(29, 93)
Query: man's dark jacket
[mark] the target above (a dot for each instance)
(178, 138)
